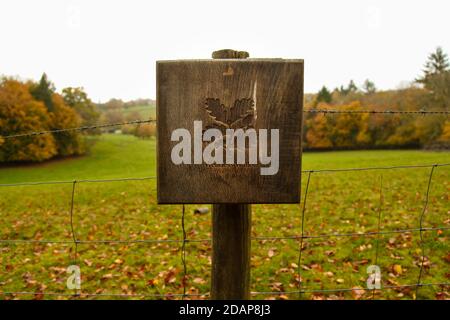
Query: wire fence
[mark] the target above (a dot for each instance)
(301, 237)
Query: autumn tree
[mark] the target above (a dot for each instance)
(318, 133)
(445, 135)
(133, 115)
(69, 142)
(147, 130)
(19, 113)
(61, 116)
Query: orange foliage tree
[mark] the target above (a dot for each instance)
(30, 107)
(19, 113)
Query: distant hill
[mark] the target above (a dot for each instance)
(116, 110)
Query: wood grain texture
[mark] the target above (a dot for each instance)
(231, 230)
(230, 269)
(274, 86)
(230, 54)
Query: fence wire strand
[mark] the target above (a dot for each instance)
(377, 243)
(77, 129)
(74, 237)
(183, 253)
(302, 235)
(422, 242)
(139, 122)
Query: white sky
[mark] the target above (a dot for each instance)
(110, 47)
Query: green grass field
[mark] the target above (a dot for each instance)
(145, 111)
(342, 202)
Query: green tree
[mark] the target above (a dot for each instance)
(351, 88)
(437, 63)
(324, 95)
(369, 87)
(436, 79)
(78, 99)
(43, 91)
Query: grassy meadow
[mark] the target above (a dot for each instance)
(144, 111)
(339, 202)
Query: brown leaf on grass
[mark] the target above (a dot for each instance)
(397, 269)
(199, 280)
(107, 276)
(358, 292)
(170, 276)
(152, 282)
(277, 286)
(38, 296)
(87, 262)
(317, 267)
(447, 258)
(282, 270)
(329, 253)
(271, 253)
(442, 296)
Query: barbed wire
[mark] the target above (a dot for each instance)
(74, 129)
(313, 111)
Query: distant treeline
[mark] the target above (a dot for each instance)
(431, 91)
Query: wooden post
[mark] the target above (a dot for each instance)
(231, 243)
(265, 95)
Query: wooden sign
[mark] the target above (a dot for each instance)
(229, 130)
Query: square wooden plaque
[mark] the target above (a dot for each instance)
(229, 94)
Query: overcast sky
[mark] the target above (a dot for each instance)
(110, 47)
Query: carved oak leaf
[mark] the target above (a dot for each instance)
(242, 114)
(217, 112)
